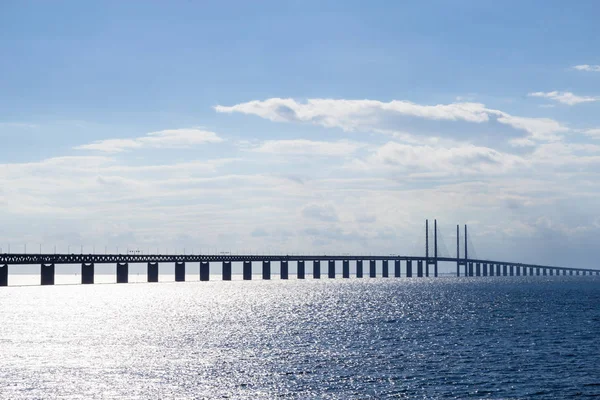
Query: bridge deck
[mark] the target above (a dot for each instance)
(30, 259)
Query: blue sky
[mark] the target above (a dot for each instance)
(313, 126)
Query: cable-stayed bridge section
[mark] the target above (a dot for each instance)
(390, 265)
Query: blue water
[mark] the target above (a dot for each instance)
(534, 337)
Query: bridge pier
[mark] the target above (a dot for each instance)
(545, 271)
(359, 268)
(4, 275)
(152, 272)
(564, 272)
(372, 269)
(498, 270)
(466, 268)
(518, 268)
(512, 270)
(471, 271)
(47, 274)
(409, 268)
(247, 270)
(385, 269)
(226, 270)
(485, 269)
(179, 271)
(504, 270)
(524, 271)
(301, 269)
(317, 269)
(283, 269)
(477, 269)
(331, 269)
(122, 272)
(570, 272)
(427, 268)
(204, 271)
(551, 271)
(266, 270)
(491, 269)
(87, 273)
(577, 272)
(397, 268)
(346, 269)
(419, 268)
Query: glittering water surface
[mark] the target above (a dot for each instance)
(372, 338)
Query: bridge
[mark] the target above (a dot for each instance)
(425, 266)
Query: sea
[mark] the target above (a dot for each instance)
(407, 338)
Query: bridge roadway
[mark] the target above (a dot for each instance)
(471, 267)
(30, 259)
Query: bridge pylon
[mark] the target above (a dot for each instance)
(431, 260)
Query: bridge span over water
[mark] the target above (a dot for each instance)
(390, 265)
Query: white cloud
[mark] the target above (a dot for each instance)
(372, 115)
(171, 138)
(594, 133)
(351, 114)
(308, 147)
(587, 67)
(439, 161)
(320, 212)
(544, 129)
(564, 97)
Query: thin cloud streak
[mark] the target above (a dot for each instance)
(170, 138)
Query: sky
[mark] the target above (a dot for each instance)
(322, 127)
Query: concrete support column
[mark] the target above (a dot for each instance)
(3, 274)
(372, 269)
(179, 271)
(531, 271)
(427, 268)
(266, 270)
(301, 269)
(518, 270)
(419, 268)
(545, 272)
(435, 269)
(122, 272)
(152, 272)
(564, 272)
(87, 273)
(409, 268)
(204, 271)
(283, 269)
(346, 269)
(498, 270)
(570, 272)
(226, 266)
(331, 269)
(551, 271)
(524, 271)
(504, 270)
(491, 269)
(577, 272)
(385, 271)
(512, 270)
(47, 274)
(485, 269)
(471, 272)
(466, 268)
(317, 269)
(359, 268)
(397, 268)
(537, 271)
(477, 269)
